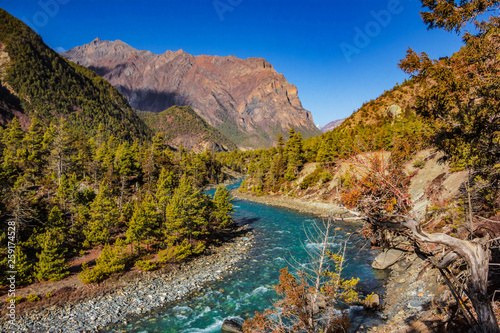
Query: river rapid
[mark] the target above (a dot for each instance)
(280, 241)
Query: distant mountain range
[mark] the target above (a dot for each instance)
(246, 100)
(331, 125)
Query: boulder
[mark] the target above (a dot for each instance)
(394, 111)
(319, 303)
(387, 258)
(372, 302)
(231, 326)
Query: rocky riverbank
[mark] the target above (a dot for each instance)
(323, 209)
(415, 299)
(148, 291)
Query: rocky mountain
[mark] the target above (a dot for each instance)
(181, 125)
(331, 125)
(34, 79)
(245, 99)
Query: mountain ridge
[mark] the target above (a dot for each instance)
(180, 125)
(245, 99)
(331, 125)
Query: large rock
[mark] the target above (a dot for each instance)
(387, 258)
(394, 111)
(372, 302)
(231, 326)
(245, 99)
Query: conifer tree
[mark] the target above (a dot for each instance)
(67, 194)
(51, 264)
(144, 222)
(126, 165)
(33, 148)
(103, 216)
(23, 267)
(295, 152)
(12, 142)
(56, 219)
(222, 207)
(165, 189)
(186, 212)
(61, 149)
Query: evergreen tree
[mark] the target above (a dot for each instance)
(103, 216)
(12, 153)
(61, 149)
(144, 222)
(295, 152)
(51, 264)
(126, 165)
(186, 212)
(222, 207)
(56, 219)
(35, 155)
(23, 267)
(165, 189)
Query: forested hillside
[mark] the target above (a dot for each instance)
(64, 194)
(373, 167)
(386, 127)
(181, 126)
(39, 81)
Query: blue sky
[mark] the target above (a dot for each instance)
(338, 53)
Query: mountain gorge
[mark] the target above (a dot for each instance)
(246, 100)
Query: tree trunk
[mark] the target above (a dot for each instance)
(477, 257)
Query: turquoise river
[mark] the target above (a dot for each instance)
(280, 239)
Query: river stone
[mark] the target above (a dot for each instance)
(231, 326)
(387, 258)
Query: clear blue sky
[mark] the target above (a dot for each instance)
(338, 53)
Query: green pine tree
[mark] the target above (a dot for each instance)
(23, 268)
(222, 207)
(144, 222)
(186, 212)
(12, 153)
(103, 216)
(51, 264)
(165, 189)
(56, 219)
(61, 149)
(33, 147)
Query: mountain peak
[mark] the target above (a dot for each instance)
(245, 99)
(97, 40)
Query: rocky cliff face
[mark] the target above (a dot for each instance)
(247, 100)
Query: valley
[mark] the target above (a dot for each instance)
(160, 190)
